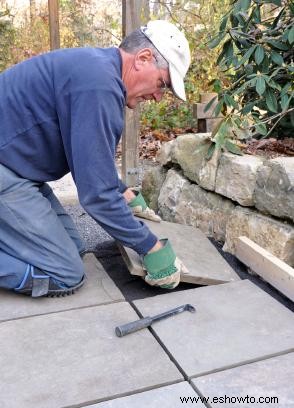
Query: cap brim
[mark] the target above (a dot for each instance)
(177, 83)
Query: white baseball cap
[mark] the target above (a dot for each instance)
(174, 47)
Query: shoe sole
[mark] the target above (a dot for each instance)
(65, 292)
(59, 292)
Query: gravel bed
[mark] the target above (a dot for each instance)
(89, 230)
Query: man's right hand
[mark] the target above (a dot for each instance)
(163, 268)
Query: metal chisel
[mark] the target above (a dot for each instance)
(148, 321)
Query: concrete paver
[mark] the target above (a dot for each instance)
(98, 289)
(74, 358)
(206, 266)
(170, 396)
(234, 323)
(268, 382)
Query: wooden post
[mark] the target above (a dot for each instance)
(131, 13)
(54, 24)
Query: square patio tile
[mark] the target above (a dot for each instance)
(74, 358)
(234, 323)
(269, 382)
(206, 266)
(171, 396)
(98, 289)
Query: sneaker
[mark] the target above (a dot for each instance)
(36, 284)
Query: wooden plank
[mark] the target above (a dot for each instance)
(269, 267)
(131, 13)
(54, 24)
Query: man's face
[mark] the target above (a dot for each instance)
(147, 81)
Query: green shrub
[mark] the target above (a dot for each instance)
(257, 38)
(197, 18)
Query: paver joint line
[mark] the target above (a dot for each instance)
(160, 343)
(206, 403)
(267, 382)
(217, 337)
(122, 395)
(88, 336)
(244, 363)
(99, 289)
(61, 311)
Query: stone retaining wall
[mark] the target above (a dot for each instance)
(227, 196)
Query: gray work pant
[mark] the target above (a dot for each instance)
(35, 230)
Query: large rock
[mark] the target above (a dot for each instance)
(170, 194)
(190, 151)
(165, 154)
(274, 236)
(204, 210)
(208, 171)
(186, 203)
(236, 177)
(151, 185)
(274, 190)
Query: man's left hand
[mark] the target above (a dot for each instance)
(140, 209)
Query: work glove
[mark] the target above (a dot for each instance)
(140, 208)
(163, 268)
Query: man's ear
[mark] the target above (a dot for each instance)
(143, 57)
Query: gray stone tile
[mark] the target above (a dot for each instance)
(170, 396)
(98, 289)
(206, 266)
(74, 358)
(234, 323)
(264, 380)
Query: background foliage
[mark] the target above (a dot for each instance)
(7, 34)
(253, 47)
(257, 54)
(197, 18)
(24, 31)
(82, 25)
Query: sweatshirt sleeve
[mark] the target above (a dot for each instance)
(122, 186)
(93, 128)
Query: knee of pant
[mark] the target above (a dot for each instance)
(75, 273)
(70, 273)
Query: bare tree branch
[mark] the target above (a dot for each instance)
(107, 31)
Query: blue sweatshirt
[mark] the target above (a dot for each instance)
(64, 111)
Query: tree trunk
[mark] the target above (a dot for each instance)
(32, 11)
(145, 11)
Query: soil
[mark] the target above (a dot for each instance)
(151, 141)
(270, 148)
